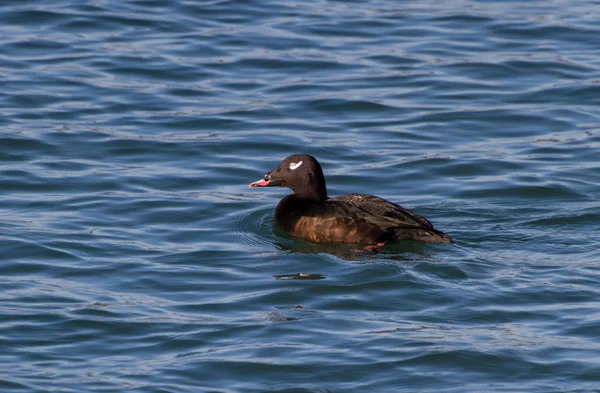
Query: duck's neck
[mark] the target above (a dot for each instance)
(291, 208)
(315, 194)
(314, 189)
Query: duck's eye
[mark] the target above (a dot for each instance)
(267, 176)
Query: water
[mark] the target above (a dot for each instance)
(135, 258)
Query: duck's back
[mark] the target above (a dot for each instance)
(380, 207)
(354, 218)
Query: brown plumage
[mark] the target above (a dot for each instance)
(352, 218)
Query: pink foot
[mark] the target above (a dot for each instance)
(374, 248)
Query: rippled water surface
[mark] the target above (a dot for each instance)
(135, 258)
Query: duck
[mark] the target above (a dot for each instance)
(309, 214)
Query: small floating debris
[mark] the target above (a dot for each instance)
(299, 276)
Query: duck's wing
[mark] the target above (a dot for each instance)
(379, 207)
(392, 218)
(362, 218)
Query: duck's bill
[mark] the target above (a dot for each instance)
(260, 183)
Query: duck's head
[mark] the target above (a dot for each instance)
(299, 172)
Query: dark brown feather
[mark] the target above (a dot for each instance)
(346, 219)
(352, 218)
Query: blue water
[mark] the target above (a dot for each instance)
(135, 258)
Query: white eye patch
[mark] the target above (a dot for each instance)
(295, 165)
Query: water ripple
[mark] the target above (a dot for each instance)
(135, 256)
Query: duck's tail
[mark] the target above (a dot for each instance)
(423, 234)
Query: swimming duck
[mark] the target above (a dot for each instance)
(308, 213)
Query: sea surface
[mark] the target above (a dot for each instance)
(134, 257)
